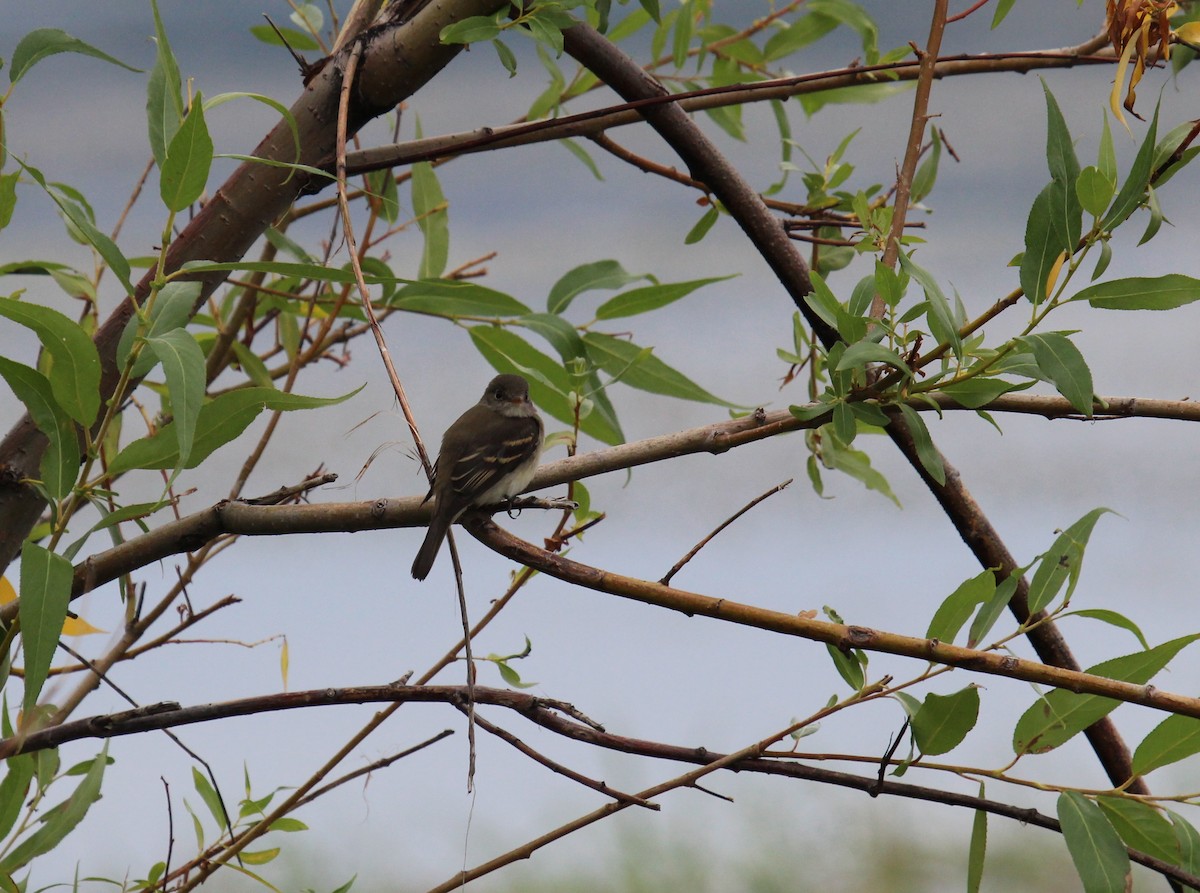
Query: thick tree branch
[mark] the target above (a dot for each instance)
(837, 635)
(241, 518)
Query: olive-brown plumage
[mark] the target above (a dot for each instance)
(488, 455)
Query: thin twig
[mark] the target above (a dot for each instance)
(666, 579)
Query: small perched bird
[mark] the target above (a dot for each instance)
(487, 456)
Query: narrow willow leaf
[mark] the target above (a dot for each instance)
(1175, 738)
(164, 105)
(429, 206)
(1189, 843)
(13, 789)
(978, 847)
(218, 422)
(941, 318)
(184, 172)
(172, 309)
(60, 463)
(1065, 366)
(1113, 619)
(1106, 156)
(105, 247)
(60, 821)
(944, 720)
(848, 666)
(1064, 170)
(1062, 562)
(703, 225)
(1060, 715)
(572, 146)
(75, 365)
(45, 593)
(563, 336)
(859, 355)
(549, 385)
(845, 424)
(1043, 246)
(959, 605)
(37, 45)
(471, 30)
(455, 299)
(1142, 827)
(650, 297)
(209, 795)
(606, 274)
(1134, 190)
(8, 195)
(992, 609)
(976, 392)
(931, 458)
(646, 372)
(300, 41)
(385, 197)
(926, 174)
(1094, 845)
(184, 370)
(1095, 190)
(1142, 293)
(855, 463)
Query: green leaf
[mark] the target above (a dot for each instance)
(184, 369)
(164, 106)
(931, 458)
(61, 820)
(1113, 619)
(1043, 245)
(1094, 845)
(848, 665)
(1142, 827)
(978, 848)
(991, 610)
(959, 605)
(104, 246)
(944, 720)
(429, 206)
(75, 365)
(8, 195)
(300, 41)
(172, 309)
(13, 788)
(650, 297)
(1142, 293)
(1060, 715)
(1062, 561)
(858, 355)
(184, 171)
(37, 45)
(1106, 157)
(855, 463)
(509, 60)
(845, 423)
(219, 422)
(1134, 190)
(703, 225)
(60, 463)
(45, 593)
(442, 297)
(606, 274)
(926, 175)
(644, 371)
(1188, 841)
(1094, 190)
(1175, 738)
(549, 384)
(1064, 171)
(471, 30)
(563, 336)
(978, 391)
(941, 318)
(210, 797)
(1065, 366)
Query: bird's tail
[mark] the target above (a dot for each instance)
(429, 549)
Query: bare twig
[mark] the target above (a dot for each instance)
(666, 579)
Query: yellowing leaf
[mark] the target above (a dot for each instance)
(7, 593)
(283, 662)
(77, 626)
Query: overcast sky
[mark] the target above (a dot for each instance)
(352, 615)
